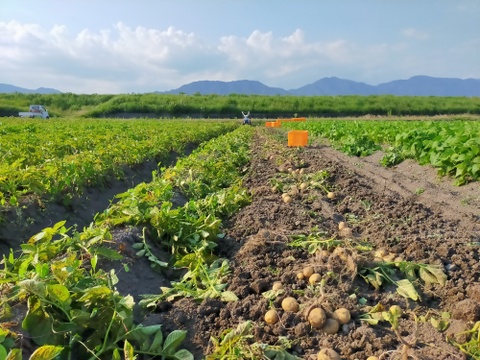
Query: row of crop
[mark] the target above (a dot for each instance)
(59, 158)
(453, 147)
(74, 310)
(230, 106)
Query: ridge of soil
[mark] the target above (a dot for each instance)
(384, 206)
(406, 210)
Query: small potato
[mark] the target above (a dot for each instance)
(331, 195)
(328, 354)
(303, 186)
(308, 271)
(317, 318)
(290, 304)
(342, 315)
(271, 317)
(302, 170)
(300, 276)
(314, 278)
(372, 358)
(277, 285)
(287, 199)
(331, 326)
(342, 225)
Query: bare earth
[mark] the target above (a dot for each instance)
(406, 210)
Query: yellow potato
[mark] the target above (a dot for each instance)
(331, 326)
(328, 354)
(308, 271)
(317, 318)
(342, 315)
(290, 304)
(314, 278)
(271, 317)
(331, 195)
(277, 285)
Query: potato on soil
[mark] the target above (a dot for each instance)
(303, 186)
(331, 195)
(271, 317)
(328, 354)
(342, 315)
(308, 271)
(290, 304)
(287, 199)
(372, 358)
(317, 318)
(342, 225)
(277, 285)
(314, 278)
(300, 276)
(331, 326)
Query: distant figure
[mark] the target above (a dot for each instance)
(246, 119)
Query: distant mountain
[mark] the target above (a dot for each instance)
(415, 86)
(245, 87)
(6, 88)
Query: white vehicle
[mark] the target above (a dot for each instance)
(35, 111)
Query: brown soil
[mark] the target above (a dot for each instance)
(406, 210)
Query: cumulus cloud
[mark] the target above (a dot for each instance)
(140, 59)
(415, 34)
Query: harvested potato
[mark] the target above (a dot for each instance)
(372, 358)
(300, 276)
(331, 195)
(331, 326)
(308, 271)
(303, 186)
(287, 199)
(328, 354)
(317, 318)
(271, 317)
(342, 225)
(314, 278)
(342, 315)
(277, 285)
(290, 304)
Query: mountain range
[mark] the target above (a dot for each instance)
(329, 86)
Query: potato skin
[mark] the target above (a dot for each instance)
(328, 354)
(342, 315)
(317, 318)
(331, 326)
(271, 317)
(277, 285)
(314, 278)
(308, 271)
(290, 304)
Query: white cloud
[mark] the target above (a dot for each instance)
(138, 59)
(415, 34)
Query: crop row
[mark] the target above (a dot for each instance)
(453, 147)
(73, 306)
(59, 158)
(230, 106)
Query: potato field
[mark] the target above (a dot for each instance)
(205, 239)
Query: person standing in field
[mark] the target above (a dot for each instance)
(246, 119)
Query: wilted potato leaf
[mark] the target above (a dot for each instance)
(406, 289)
(432, 274)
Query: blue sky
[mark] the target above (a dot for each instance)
(123, 46)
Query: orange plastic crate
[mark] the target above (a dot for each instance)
(298, 138)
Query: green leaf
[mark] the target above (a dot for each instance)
(60, 294)
(183, 354)
(407, 290)
(173, 340)
(107, 253)
(14, 354)
(46, 352)
(137, 246)
(228, 296)
(129, 351)
(157, 342)
(3, 352)
(141, 253)
(116, 354)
